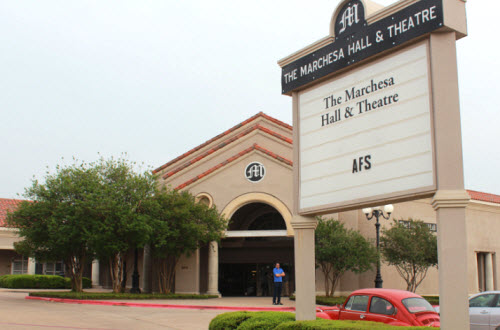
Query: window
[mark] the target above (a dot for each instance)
(415, 305)
(485, 271)
(50, 268)
(381, 306)
(357, 303)
(54, 268)
(20, 265)
(484, 300)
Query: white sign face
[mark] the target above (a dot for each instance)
(367, 135)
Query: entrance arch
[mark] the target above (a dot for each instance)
(258, 235)
(249, 198)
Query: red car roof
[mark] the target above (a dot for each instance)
(396, 294)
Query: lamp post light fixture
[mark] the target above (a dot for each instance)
(135, 275)
(376, 213)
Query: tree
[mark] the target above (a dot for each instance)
(179, 226)
(121, 224)
(339, 250)
(86, 210)
(56, 224)
(411, 247)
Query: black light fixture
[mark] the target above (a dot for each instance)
(376, 213)
(135, 275)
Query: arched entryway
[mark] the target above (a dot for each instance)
(256, 238)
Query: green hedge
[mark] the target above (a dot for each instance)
(283, 321)
(250, 320)
(116, 296)
(39, 282)
(327, 301)
(433, 300)
(332, 301)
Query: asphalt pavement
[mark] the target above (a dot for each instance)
(17, 312)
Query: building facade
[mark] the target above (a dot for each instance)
(246, 172)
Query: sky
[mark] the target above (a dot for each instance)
(153, 79)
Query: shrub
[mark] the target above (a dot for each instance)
(341, 325)
(433, 300)
(116, 296)
(228, 320)
(285, 321)
(327, 301)
(332, 301)
(266, 320)
(37, 282)
(86, 283)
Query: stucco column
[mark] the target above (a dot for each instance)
(31, 266)
(305, 270)
(213, 269)
(95, 274)
(488, 270)
(450, 199)
(452, 258)
(147, 270)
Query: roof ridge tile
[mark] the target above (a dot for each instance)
(227, 132)
(255, 146)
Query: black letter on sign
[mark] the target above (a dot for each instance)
(367, 161)
(362, 162)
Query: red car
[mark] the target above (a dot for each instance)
(394, 307)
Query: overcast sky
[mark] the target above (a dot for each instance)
(157, 78)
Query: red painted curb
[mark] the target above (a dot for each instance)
(128, 304)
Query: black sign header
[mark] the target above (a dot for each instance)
(356, 41)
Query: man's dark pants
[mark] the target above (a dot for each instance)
(277, 292)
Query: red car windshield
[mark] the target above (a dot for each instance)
(416, 305)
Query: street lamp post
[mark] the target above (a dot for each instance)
(376, 213)
(135, 275)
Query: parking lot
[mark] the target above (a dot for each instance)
(16, 312)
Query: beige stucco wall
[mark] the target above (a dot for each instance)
(229, 189)
(230, 183)
(187, 274)
(7, 238)
(483, 229)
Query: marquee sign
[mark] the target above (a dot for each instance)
(356, 41)
(367, 135)
(374, 123)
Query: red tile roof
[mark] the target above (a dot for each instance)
(225, 143)
(229, 131)
(7, 205)
(484, 197)
(233, 158)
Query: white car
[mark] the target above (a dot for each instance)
(484, 310)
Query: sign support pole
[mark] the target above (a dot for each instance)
(451, 198)
(305, 270)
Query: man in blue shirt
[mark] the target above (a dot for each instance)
(278, 284)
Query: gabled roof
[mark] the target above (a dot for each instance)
(222, 135)
(224, 144)
(232, 159)
(7, 205)
(484, 197)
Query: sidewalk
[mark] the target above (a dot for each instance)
(224, 303)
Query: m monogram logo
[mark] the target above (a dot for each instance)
(255, 172)
(349, 17)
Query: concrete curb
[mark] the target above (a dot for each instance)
(171, 306)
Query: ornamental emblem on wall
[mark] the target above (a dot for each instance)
(255, 172)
